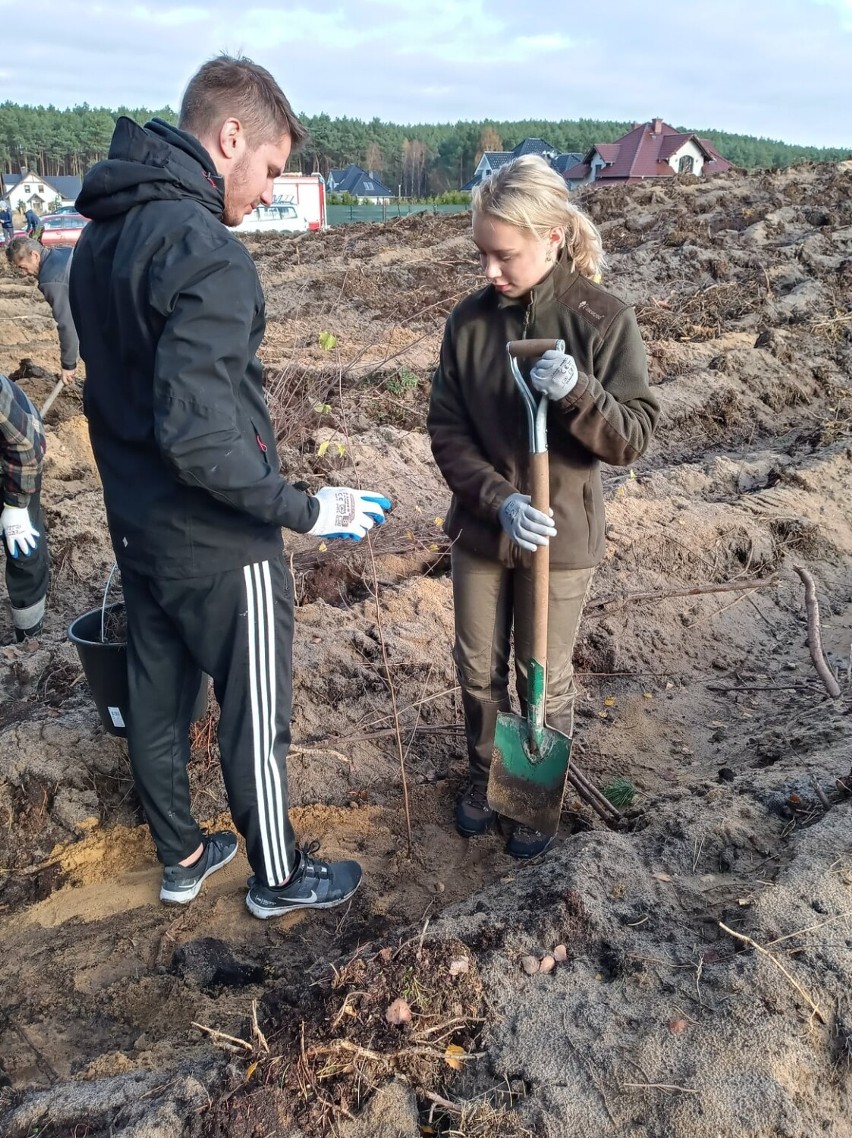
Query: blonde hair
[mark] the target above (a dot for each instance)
(529, 194)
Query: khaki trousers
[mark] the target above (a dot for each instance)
(490, 601)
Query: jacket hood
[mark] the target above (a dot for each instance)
(156, 162)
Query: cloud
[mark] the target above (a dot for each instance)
(778, 68)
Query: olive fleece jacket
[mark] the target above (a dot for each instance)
(478, 425)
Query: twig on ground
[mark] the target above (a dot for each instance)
(443, 1103)
(230, 1042)
(659, 1087)
(256, 1034)
(764, 952)
(811, 928)
(815, 635)
(366, 736)
(820, 793)
(386, 1057)
(590, 794)
(695, 590)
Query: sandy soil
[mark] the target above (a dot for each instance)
(656, 1022)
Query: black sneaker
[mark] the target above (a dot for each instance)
(22, 634)
(473, 814)
(315, 884)
(526, 843)
(182, 883)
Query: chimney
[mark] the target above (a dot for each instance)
(657, 126)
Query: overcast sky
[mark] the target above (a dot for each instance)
(775, 68)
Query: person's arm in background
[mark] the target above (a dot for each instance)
(56, 295)
(21, 452)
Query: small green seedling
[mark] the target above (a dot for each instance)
(620, 792)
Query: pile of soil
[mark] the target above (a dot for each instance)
(700, 983)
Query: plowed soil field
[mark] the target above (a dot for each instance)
(701, 984)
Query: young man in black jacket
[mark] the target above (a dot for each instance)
(170, 314)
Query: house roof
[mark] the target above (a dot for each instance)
(644, 152)
(358, 182)
(367, 185)
(563, 162)
(498, 158)
(66, 185)
(345, 177)
(534, 146)
(719, 164)
(576, 173)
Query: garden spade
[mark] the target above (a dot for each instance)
(51, 399)
(529, 763)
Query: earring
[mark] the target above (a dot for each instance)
(548, 256)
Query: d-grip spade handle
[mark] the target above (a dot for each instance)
(526, 349)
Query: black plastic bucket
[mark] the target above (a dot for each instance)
(105, 668)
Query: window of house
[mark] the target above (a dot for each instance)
(41, 189)
(368, 185)
(28, 189)
(686, 164)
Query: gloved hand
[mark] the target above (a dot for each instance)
(348, 513)
(554, 375)
(527, 527)
(18, 530)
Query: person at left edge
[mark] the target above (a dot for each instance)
(52, 270)
(170, 314)
(27, 559)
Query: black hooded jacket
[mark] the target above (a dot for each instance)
(170, 315)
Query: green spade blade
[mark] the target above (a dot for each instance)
(529, 763)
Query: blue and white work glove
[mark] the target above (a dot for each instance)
(526, 527)
(348, 513)
(20, 534)
(554, 375)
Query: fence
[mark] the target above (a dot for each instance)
(345, 214)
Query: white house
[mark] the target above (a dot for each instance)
(33, 191)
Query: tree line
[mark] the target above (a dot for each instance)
(414, 160)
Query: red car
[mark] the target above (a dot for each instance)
(61, 228)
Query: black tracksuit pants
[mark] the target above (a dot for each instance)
(27, 578)
(236, 626)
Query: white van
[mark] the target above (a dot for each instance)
(277, 218)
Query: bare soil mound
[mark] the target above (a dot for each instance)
(687, 977)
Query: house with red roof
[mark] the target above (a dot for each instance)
(650, 150)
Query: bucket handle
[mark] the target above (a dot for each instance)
(112, 573)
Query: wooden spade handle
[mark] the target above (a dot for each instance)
(540, 495)
(530, 348)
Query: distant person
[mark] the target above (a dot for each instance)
(21, 520)
(170, 313)
(33, 222)
(541, 257)
(7, 223)
(51, 268)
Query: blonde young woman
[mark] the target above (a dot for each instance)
(541, 257)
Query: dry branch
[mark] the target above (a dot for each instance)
(764, 952)
(659, 1087)
(815, 634)
(695, 590)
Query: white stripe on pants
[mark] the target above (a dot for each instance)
(270, 800)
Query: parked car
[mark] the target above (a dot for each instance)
(61, 228)
(278, 218)
(64, 209)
